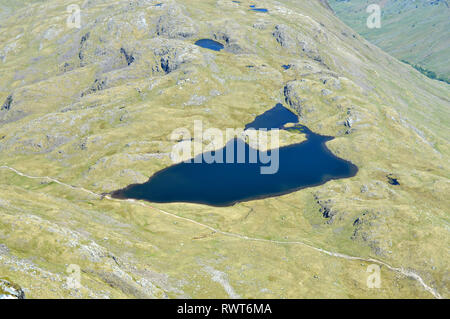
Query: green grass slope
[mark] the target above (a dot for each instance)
(80, 118)
(414, 31)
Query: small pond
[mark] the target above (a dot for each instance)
(209, 44)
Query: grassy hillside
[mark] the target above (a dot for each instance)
(414, 31)
(80, 118)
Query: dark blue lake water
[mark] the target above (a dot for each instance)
(276, 117)
(253, 8)
(301, 165)
(209, 44)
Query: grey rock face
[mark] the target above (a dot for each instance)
(81, 54)
(310, 50)
(98, 85)
(7, 105)
(284, 37)
(104, 50)
(352, 118)
(292, 96)
(326, 208)
(231, 44)
(171, 54)
(175, 25)
(232, 36)
(364, 232)
(287, 38)
(128, 57)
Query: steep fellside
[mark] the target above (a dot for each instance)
(413, 31)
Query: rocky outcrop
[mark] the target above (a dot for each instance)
(81, 55)
(10, 290)
(170, 54)
(352, 118)
(392, 179)
(300, 43)
(284, 37)
(105, 50)
(175, 25)
(8, 102)
(308, 47)
(128, 57)
(98, 85)
(326, 208)
(365, 231)
(293, 97)
(231, 40)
